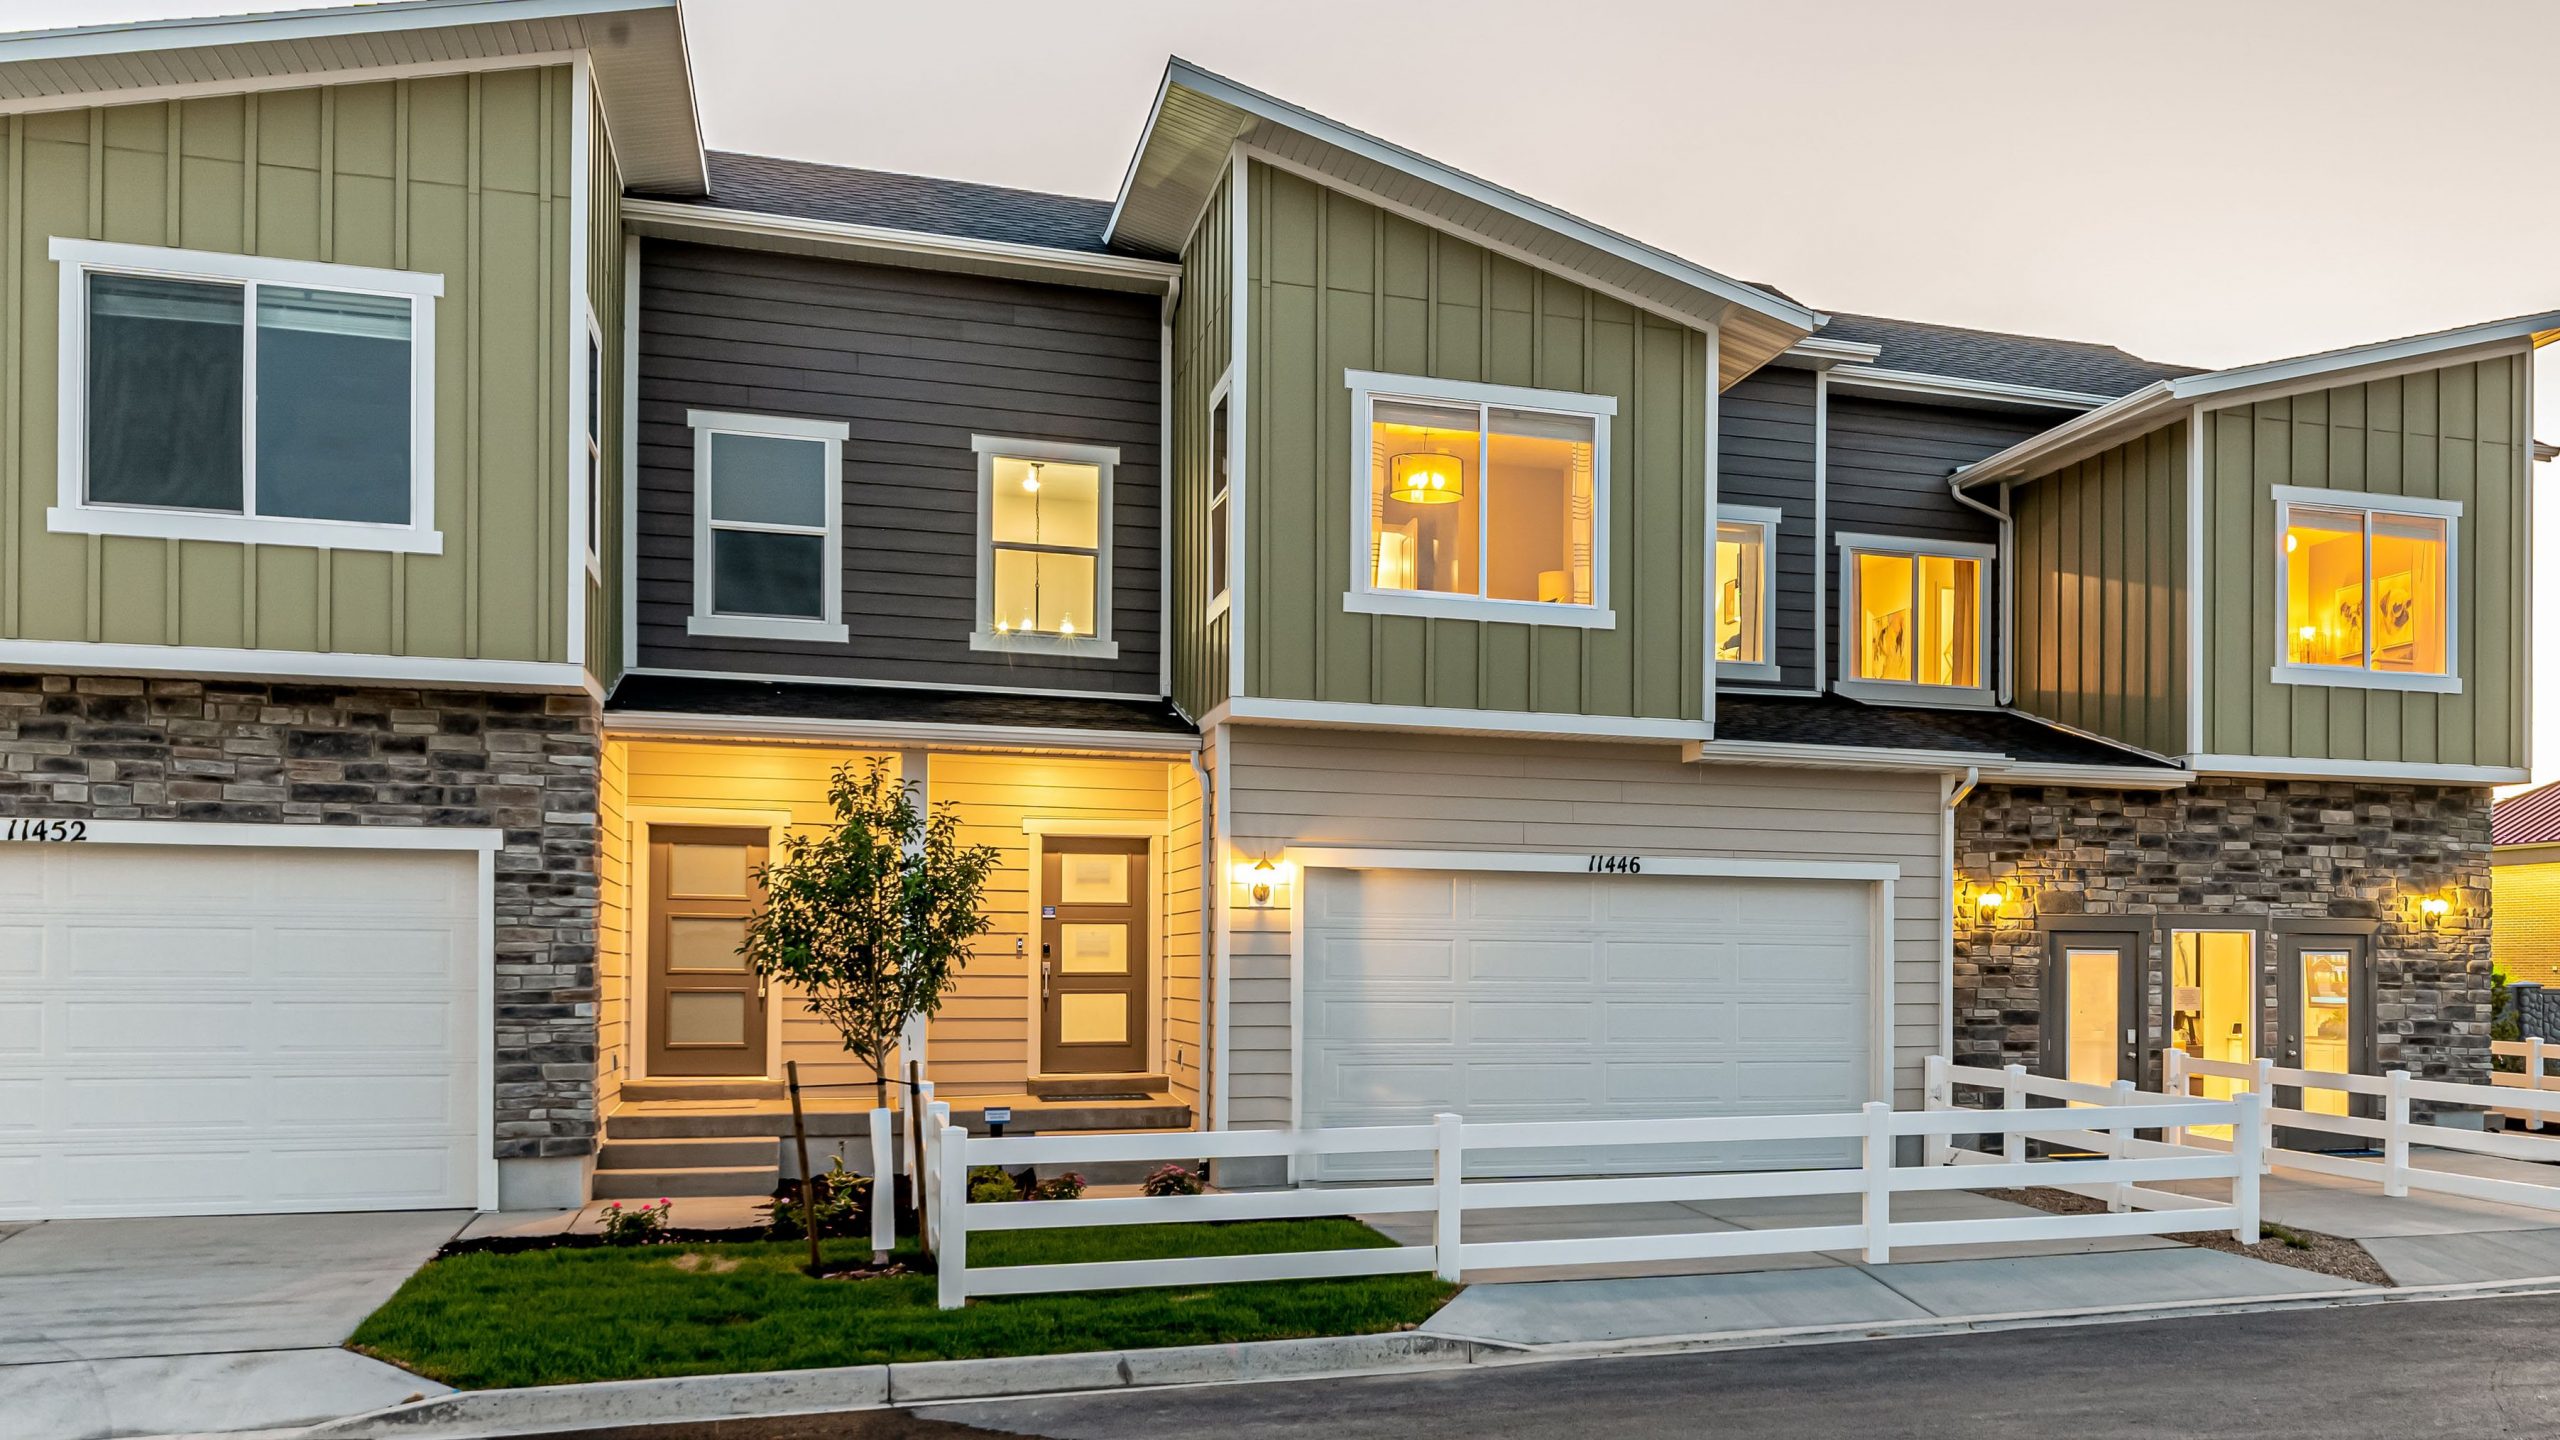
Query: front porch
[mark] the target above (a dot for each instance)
(1079, 1009)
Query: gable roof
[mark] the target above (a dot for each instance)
(807, 190)
(2159, 402)
(1198, 117)
(2532, 818)
(2080, 366)
(642, 71)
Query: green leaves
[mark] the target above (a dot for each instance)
(872, 918)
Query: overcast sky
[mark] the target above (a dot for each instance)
(2205, 181)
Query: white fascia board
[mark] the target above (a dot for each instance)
(1956, 387)
(292, 25)
(2218, 389)
(2290, 767)
(1273, 110)
(1360, 715)
(1817, 352)
(674, 220)
(84, 657)
(899, 733)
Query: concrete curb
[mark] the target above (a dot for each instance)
(470, 1414)
(492, 1414)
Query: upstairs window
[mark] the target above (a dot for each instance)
(1219, 443)
(2367, 585)
(1480, 501)
(595, 445)
(1915, 618)
(1044, 547)
(1746, 581)
(768, 527)
(241, 398)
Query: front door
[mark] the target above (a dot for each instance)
(2091, 992)
(1093, 956)
(2213, 1007)
(706, 1008)
(2325, 1011)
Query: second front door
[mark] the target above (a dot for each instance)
(706, 1006)
(1094, 965)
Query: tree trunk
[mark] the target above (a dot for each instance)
(880, 1078)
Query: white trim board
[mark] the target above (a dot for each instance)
(1358, 715)
(918, 248)
(94, 658)
(895, 734)
(2287, 767)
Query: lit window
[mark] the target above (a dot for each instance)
(1219, 440)
(1045, 524)
(1746, 552)
(1913, 612)
(2367, 589)
(1481, 501)
(229, 397)
(595, 444)
(768, 526)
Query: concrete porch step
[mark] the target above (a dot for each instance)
(694, 1180)
(690, 1153)
(683, 1088)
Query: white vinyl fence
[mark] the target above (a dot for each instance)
(2393, 1132)
(952, 1220)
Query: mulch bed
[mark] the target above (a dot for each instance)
(2281, 1245)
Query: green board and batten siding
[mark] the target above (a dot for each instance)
(2454, 433)
(467, 176)
(2101, 626)
(604, 293)
(1338, 284)
(1203, 345)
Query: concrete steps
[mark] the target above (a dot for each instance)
(738, 1121)
(645, 1169)
(723, 1180)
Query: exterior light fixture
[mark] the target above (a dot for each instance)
(1264, 873)
(1261, 881)
(2434, 907)
(1989, 901)
(1426, 478)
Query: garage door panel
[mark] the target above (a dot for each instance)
(1586, 997)
(212, 1030)
(1531, 961)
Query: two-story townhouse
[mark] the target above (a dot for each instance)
(307, 467)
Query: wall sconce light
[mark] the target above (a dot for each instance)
(1989, 900)
(1264, 882)
(2434, 908)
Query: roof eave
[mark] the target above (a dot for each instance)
(757, 229)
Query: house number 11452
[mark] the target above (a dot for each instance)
(44, 830)
(1616, 865)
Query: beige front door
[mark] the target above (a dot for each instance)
(1093, 956)
(706, 1007)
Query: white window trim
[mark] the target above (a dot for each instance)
(829, 627)
(1220, 509)
(1364, 598)
(2352, 677)
(1912, 692)
(72, 513)
(590, 481)
(1768, 518)
(1105, 459)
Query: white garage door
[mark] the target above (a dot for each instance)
(1564, 997)
(217, 1030)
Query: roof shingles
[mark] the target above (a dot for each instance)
(1951, 350)
(805, 190)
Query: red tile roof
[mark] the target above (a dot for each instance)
(2532, 818)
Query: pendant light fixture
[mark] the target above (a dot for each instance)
(1426, 478)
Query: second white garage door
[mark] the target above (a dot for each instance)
(208, 1030)
(1506, 996)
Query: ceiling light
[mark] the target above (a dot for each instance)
(1426, 479)
(1031, 479)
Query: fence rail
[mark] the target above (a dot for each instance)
(2130, 1167)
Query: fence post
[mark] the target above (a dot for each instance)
(1448, 1163)
(2264, 1087)
(884, 1185)
(2173, 1083)
(2395, 1134)
(953, 1204)
(1877, 1211)
(920, 1159)
(937, 1118)
(2533, 1080)
(2120, 1146)
(2248, 1157)
(2013, 1096)
(1937, 1092)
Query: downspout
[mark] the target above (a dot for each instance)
(1209, 820)
(1824, 570)
(1947, 913)
(2008, 576)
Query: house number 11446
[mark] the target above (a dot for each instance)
(1616, 865)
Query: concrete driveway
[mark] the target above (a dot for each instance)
(144, 1327)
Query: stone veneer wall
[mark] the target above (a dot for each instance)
(2257, 848)
(124, 748)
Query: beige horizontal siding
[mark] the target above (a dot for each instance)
(1299, 788)
(613, 927)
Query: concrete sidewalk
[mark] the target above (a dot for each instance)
(2420, 1238)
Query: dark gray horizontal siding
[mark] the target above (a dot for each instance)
(914, 363)
(1887, 475)
(1765, 457)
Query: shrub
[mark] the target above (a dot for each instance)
(992, 1192)
(841, 1198)
(637, 1225)
(1172, 1180)
(1069, 1186)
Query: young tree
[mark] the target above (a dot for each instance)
(872, 919)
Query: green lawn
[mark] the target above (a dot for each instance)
(553, 1317)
